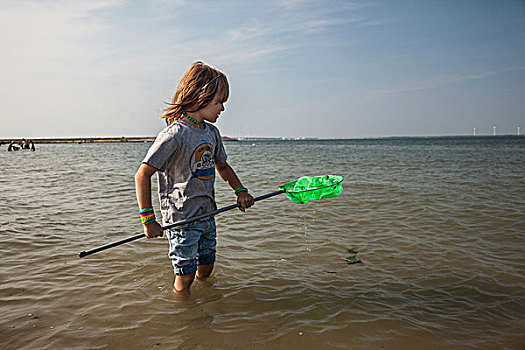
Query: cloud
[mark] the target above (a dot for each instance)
(288, 4)
(252, 55)
(445, 80)
(37, 34)
(294, 19)
(112, 35)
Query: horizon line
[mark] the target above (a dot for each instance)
(95, 139)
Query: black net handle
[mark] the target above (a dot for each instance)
(176, 224)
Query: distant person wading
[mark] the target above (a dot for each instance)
(24, 144)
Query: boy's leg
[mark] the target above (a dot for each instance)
(206, 252)
(183, 282)
(204, 271)
(183, 254)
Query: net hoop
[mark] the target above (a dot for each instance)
(325, 186)
(317, 188)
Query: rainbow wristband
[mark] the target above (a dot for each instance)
(241, 189)
(147, 215)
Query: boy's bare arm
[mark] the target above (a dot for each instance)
(230, 177)
(143, 188)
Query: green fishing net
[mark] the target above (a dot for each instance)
(309, 188)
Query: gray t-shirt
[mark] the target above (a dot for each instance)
(186, 158)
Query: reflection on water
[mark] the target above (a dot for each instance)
(437, 224)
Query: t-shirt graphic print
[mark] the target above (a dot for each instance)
(202, 162)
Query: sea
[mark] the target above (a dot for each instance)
(423, 249)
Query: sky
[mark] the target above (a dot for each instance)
(296, 68)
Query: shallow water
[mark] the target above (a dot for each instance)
(438, 224)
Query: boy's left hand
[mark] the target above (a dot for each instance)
(245, 200)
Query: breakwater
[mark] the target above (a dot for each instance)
(95, 139)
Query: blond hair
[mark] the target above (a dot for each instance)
(196, 90)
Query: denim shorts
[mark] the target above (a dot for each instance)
(192, 245)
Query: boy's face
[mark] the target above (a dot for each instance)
(211, 112)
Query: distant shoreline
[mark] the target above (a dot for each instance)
(80, 140)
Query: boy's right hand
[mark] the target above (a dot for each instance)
(153, 229)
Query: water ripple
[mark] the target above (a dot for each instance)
(437, 224)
